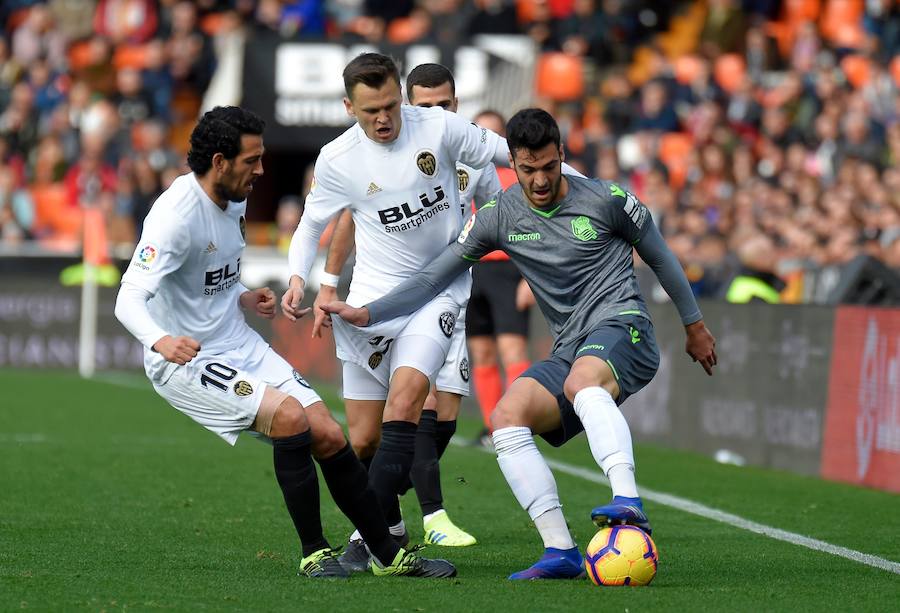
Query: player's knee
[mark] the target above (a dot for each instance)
(483, 353)
(289, 419)
(506, 415)
(404, 405)
(328, 439)
(364, 449)
(580, 379)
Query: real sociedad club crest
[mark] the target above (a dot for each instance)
(447, 321)
(426, 162)
(463, 177)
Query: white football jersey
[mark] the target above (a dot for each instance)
(189, 260)
(478, 184)
(404, 197)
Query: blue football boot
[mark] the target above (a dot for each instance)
(554, 564)
(622, 510)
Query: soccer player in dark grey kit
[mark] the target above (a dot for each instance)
(572, 239)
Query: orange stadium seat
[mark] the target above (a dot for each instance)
(130, 56)
(53, 213)
(674, 152)
(839, 18)
(895, 69)
(729, 71)
(560, 77)
(858, 70)
(687, 67)
(79, 55)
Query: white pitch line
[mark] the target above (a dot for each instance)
(701, 510)
(694, 508)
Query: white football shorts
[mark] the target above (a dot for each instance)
(223, 392)
(454, 374)
(420, 340)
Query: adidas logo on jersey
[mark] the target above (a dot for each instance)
(210, 248)
(373, 189)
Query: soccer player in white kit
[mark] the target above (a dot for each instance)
(427, 85)
(396, 171)
(182, 298)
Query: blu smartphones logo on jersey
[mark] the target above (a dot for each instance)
(144, 258)
(221, 279)
(413, 216)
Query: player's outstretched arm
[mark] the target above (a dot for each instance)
(339, 249)
(410, 295)
(701, 345)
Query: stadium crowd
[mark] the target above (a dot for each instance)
(764, 135)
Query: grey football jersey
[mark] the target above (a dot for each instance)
(576, 256)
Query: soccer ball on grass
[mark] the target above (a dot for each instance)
(621, 555)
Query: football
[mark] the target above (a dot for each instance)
(621, 555)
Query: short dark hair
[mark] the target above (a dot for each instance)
(531, 129)
(220, 131)
(429, 75)
(371, 69)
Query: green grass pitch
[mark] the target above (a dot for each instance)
(111, 500)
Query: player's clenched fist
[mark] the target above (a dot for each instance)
(261, 301)
(178, 350)
(290, 302)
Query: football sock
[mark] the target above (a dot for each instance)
(609, 438)
(553, 529)
(296, 474)
(445, 432)
(391, 465)
(426, 472)
(349, 486)
(532, 483)
(514, 370)
(488, 389)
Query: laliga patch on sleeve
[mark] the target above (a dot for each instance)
(465, 231)
(145, 256)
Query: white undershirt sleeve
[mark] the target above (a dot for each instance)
(325, 200)
(131, 310)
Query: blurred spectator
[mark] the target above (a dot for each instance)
(126, 21)
(655, 111)
(16, 208)
(756, 280)
(38, 37)
(287, 217)
(74, 18)
(493, 17)
(724, 30)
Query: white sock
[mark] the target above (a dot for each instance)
(532, 484)
(430, 516)
(609, 437)
(398, 529)
(553, 529)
